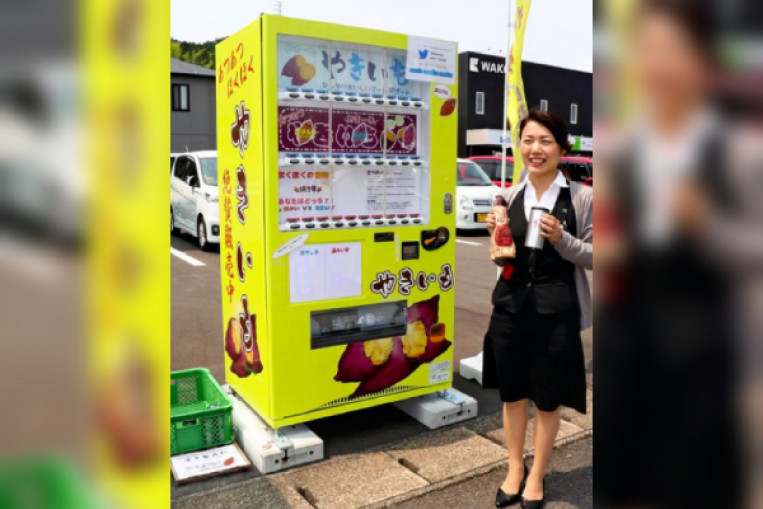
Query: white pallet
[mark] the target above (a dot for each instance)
(440, 409)
(274, 450)
(471, 368)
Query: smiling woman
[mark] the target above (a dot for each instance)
(533, 350)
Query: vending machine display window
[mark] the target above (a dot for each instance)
(353, 146)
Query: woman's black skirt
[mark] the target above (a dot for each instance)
(536, 356)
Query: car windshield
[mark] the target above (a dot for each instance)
(209, 170)
(469, 174)
(493, 168)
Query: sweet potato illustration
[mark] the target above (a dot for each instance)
(299, 70)
(376, 367)
(378, 350)
(395, 369)
(448, 107)
(433, 350)
(354, 365)
(398, 367)
(415, 342)
(408, 137)
(233, 338)
(245, 357)
(306, 72)
(427, 311)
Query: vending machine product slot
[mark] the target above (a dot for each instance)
(363, 323)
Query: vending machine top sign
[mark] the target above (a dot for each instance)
(352, 139)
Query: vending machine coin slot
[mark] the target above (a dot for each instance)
(410, 250)
(384, 237)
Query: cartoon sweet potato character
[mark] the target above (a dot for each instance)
(241, 346)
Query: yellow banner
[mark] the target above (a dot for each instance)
(517, 105)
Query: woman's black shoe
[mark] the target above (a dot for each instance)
(503, 499)
(535, 504)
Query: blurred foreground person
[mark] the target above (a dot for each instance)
(666, 433)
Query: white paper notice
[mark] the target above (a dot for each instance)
(324, 271)
(200, 463)
(342, 270)
(439, 372)
(402, 191)
(431, 60)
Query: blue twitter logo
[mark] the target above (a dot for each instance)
(423, 53)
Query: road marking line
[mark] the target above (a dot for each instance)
(189, 259)
(468, 242)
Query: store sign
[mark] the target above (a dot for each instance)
(477, 65)
(581, 143)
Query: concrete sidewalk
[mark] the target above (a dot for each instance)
(569, 484)
(462, 463)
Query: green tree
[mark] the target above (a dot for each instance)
(202, 54)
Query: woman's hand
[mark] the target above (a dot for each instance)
(490, 222)
(550, 228)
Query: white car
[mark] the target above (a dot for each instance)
(475, 194)
(194, 196)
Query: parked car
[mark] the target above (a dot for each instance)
(579, 169)
(475, 194)
(491, 165)
(173, 156)
(194, 197)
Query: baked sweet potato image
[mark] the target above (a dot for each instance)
(379, 364)
(415, 342)
(395, 369)
(242, 349)
(398, 367)
(299, 70)
(354, 365)
(378, 350)
(433, 350)
(427, 311)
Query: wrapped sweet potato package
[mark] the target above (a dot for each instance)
(502, 245)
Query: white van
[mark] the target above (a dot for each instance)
(194, 206)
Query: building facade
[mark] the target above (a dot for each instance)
(480, 101)
(193, 107)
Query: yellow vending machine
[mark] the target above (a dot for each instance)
(336, 166)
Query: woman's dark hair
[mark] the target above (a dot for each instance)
(693, 17)
(550, 121)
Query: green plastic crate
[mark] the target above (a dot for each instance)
(200, 412)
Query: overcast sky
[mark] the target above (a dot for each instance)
(559, 32)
